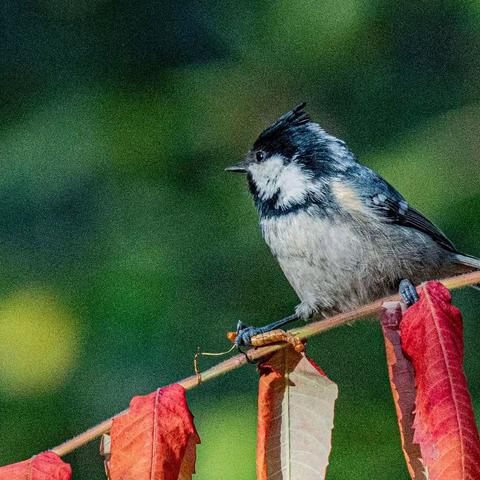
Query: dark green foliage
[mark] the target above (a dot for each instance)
(116, 216)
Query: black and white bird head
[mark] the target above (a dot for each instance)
(289, 161)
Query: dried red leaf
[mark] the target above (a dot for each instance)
(402, 383)
(295, 417)
(432, 336)
(44, 466)
(155, 439)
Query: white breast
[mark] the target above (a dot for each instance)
(306, 235)
(312, 252)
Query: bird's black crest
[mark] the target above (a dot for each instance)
(293, 118)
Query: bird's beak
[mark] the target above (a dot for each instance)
(240, 167)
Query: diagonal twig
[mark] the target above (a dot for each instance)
(237, 361)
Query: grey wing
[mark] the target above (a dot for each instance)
(389, 204)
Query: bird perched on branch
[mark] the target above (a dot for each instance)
(342, 235)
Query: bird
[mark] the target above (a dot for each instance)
(342, 235)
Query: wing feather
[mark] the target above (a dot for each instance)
(396, 210)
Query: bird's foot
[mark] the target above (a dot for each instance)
(259, 337)
(408, 292)
(244, 334)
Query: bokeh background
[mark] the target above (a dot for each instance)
(123, 244)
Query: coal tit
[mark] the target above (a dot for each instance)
(342, 235)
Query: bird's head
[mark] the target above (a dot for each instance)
(289, 160)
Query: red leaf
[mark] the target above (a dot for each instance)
(295, 417)
(402, 382)
(44, 466)
(432, 336)
(155, 439)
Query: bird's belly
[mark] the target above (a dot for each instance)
(320, 258)
(335, 266)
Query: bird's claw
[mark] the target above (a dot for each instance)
(245, 333)
(408, 292)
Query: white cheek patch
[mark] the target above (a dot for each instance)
(289, 182)
(294, 185)
(265, 176)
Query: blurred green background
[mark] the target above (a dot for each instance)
(124, 246)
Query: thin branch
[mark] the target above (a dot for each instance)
(253, 355)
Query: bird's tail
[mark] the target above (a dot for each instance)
(468, 261)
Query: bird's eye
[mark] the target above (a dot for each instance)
(260, 156)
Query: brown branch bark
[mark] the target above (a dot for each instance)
(237, 361)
